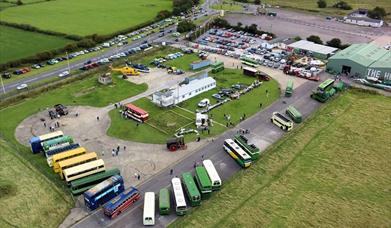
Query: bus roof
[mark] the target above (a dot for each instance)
(326, 83)
(149, 204)
(114, 203)
(203, 176)
(68, 153)
(290, 84)
(136, 109)
(85, 166)
(178, 192)
(188, 180)
(104, 175)
(50, 135)
(250, 69)
(294, 111)
(64, 138)
(102, 185)
(238, 149)
(78, 159)
(210, 168)
(164, 198)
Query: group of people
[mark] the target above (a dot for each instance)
(114, 152)
(52, 128)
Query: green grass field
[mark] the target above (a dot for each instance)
(28, 198)
(333, 171)
(228, 6)
(86, 17)
(16, 43)
(163, 123)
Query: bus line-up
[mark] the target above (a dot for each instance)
(84, 170)
(103, 192)
(237, 153)
(213, 175)
(179, 198)
(164, 201)
(203, 181)
(122, 202)
(75, 161)
(36, 142)
(191, 189)
(83, 184)
(66, 155)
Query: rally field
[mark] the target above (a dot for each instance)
(27, 198)
(16, 43)
(86, 17)
(333, 171)
(164, 122)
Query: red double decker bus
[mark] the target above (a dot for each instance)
(136, 113)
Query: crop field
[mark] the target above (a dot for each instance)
(163, 123)
(16, 43)
(27, 198)
(86, 17)
(333, 171)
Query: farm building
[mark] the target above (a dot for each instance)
(308, 47)
(185, 90)
(363, 60)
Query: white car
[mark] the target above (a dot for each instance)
(21, 86)
(203, 103)
(63, 74)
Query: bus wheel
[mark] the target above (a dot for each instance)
(282, 128)
(271, 120)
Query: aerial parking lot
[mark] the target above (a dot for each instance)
(161, 113)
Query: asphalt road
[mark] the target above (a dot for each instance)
(262, 133)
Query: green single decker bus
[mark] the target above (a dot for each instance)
(203, 181)
(164, 202)
(217, 66)
(250, 149)
(81, 185)
(191, 189)
(295, 115)
(289, 89)
(324, 91)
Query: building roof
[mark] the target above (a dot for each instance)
(367, 19)
(194, 85)
(363, 54)
(313, 47)
(383, 62)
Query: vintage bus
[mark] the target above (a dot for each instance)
(213, 175)
(281, 121)
(84, 170)
(191, 189)
(56, 143)
(250, 149)
(289, 89)
(66, 155)
(295, 115)
(136, 113)
(149, 209)
(36, 142)
(75, 161)
(103, 192)
(164, 201)
(179, 198)
(83, 184)
(203, 182)
(49, 154)
(249, 64)
(237, 153)
(120, 203)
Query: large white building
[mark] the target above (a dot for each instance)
(186, 90)
(360, 17)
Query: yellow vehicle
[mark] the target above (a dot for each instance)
(126, 71)
(84, 170)
(65, 156)
(75, 161)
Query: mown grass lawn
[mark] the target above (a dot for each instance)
(28, 198)
(86, 17)
(163, 123)
(333, 171)
(16, 43)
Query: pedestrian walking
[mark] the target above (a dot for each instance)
(137, 124)
(195, 165)
(208, 131)
(124, 147)
(118, 148)
(103, 153)
(260, 105)
(171, 171)
(198, 138)
(77, 114)
(202, 157)
(115, 105)
(116, 152)
(227, 124)
(135, 175)
(44, 124)
(97, 118)
(138, 176)
(113, 152)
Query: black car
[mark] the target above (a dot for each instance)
(52, 114)
(6, 75)
(61, 109)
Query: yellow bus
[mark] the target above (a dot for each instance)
(75, 161)
(66, 155)
(84, 170)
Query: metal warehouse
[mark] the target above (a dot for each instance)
(308, 47)
(364, 60)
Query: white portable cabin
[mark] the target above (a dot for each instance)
(149, 209)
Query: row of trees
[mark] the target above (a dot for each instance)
(182, 6)
(335, 42)
(375, 13)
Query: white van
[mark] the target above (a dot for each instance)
(203, 103)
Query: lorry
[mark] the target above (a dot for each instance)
(249, 71)
(174, 144)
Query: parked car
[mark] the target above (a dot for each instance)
(21, 86)
(6, 75)
(217, 96)
(63, 74)
(203, 103)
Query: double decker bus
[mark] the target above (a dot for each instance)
(295, 115)
(250, 149)
(164, 201)
(122, 202)
(36, 142)
(84, 170)
(203, 181)
(281, 121)
(237, 153)
(213, 175)
(75, 161)
(179, 198)
(83, 184)
(51, 153)
(66, 155)
(149, 209)
(191, 189)
(103, 192)
(136, 113)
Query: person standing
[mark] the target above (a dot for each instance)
(138, 176)
(113, 152)
(171, 171)
(103, 153)
(97, 118)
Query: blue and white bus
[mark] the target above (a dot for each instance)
(103, 192)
